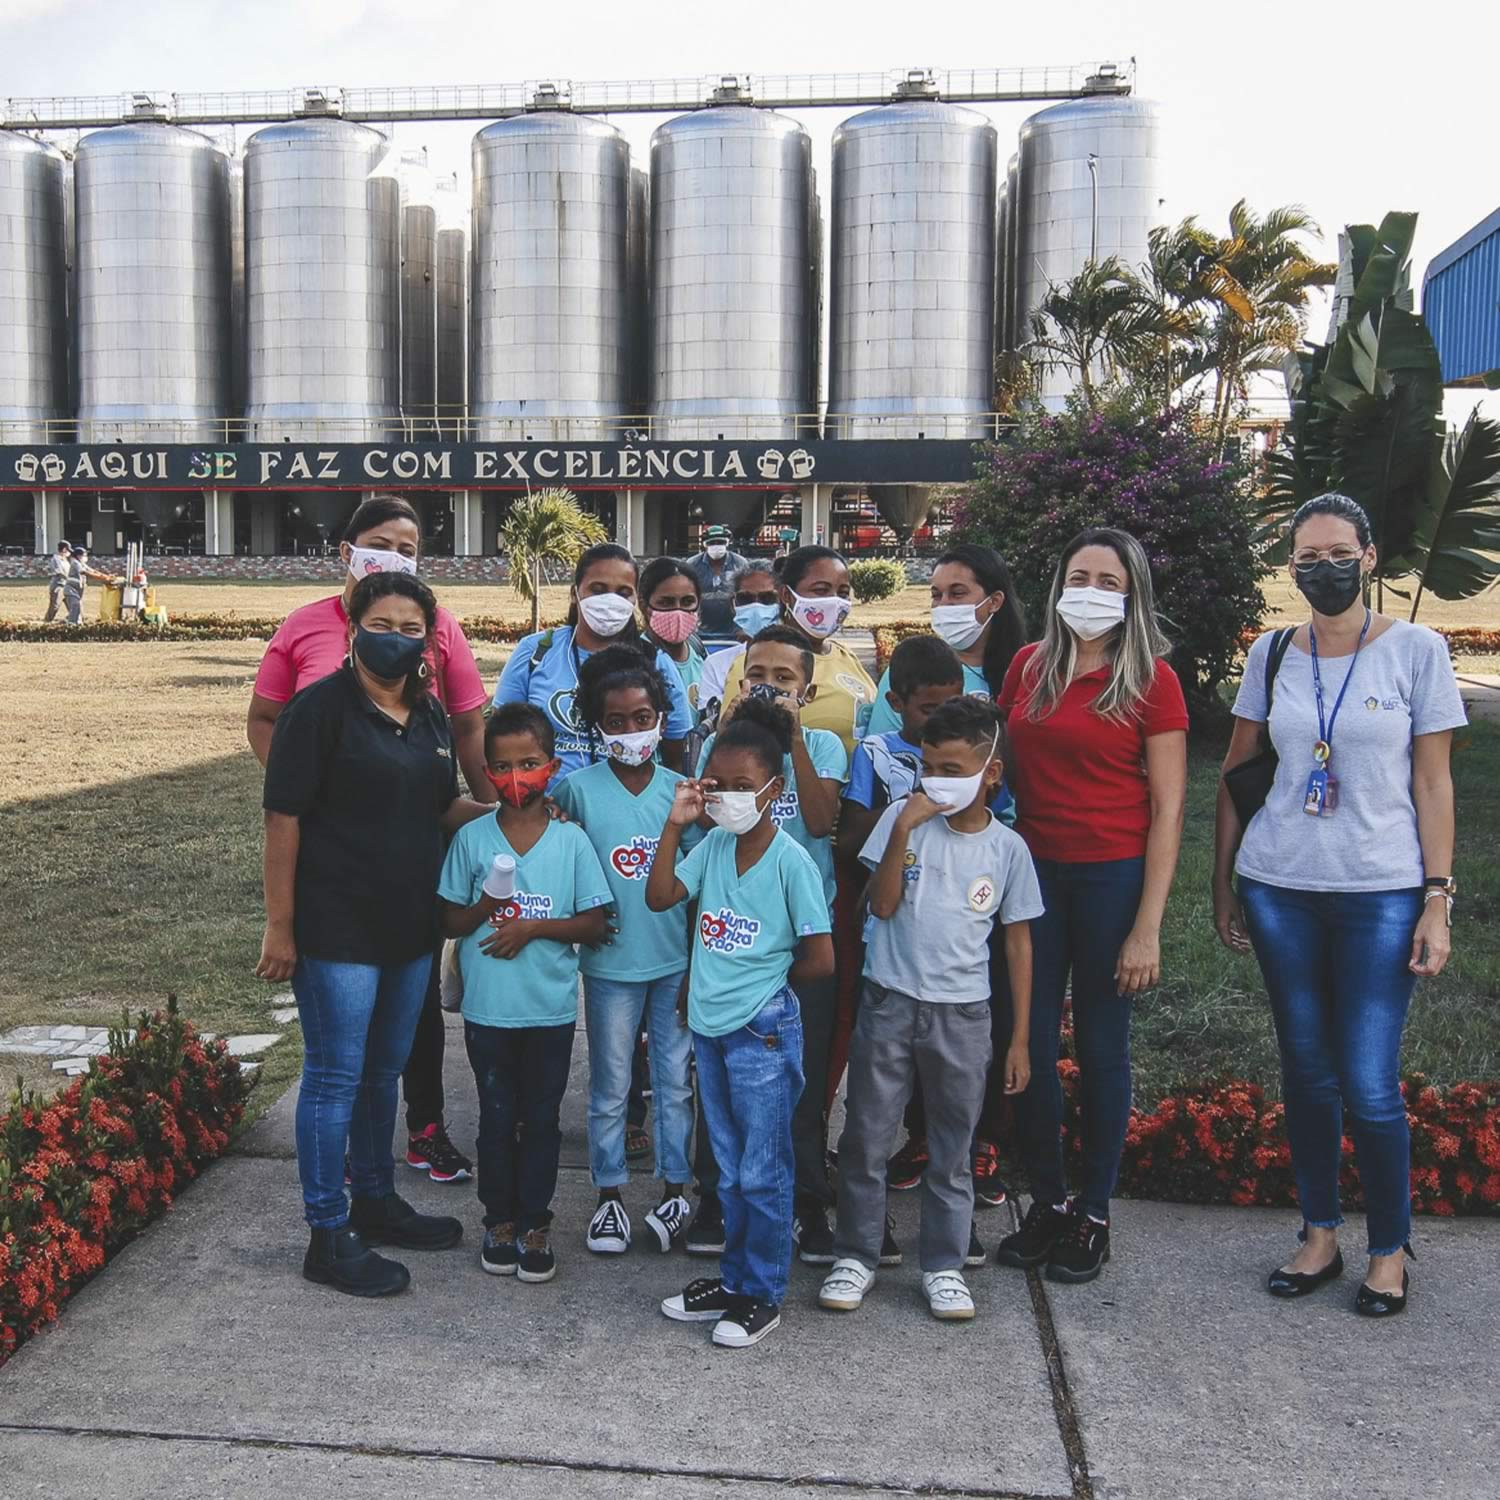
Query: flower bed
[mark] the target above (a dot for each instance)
(83, 1171)
(212, 627)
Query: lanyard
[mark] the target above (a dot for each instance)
(1324, 748)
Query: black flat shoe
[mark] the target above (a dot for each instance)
(1369, 1303)
(1288, 1284)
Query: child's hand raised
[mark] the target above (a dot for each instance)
(919, 808)
(687, 803)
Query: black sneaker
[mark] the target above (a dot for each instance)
(340, 1258)
(701, 1301)
(537, 1262)
(813, 1237)
(609, 1229)
(1032, 1243)
(904, 1170)
(1079, 1255)
(975, 1255)
(432, 1152)
(746, 1322)
(500, 1255)
(668, 1220)
(391, 1220)
(705, 1235)
(890, 1251)
(989, 1190)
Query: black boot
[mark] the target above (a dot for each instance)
(340, 1258)
(391, 1220)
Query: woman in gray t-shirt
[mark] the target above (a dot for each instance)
(1345, 885)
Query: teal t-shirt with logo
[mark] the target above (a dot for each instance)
(624, 830)
(831, 761)
(558, 877)
(551, 684)
(748, 926)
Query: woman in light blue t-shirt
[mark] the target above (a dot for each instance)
(1345, 882)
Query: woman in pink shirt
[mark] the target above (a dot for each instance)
(384, 535)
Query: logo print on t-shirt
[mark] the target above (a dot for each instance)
(852, 685)
(982, 895)
(633, 860)
(785, 807)
(725, 932)
(910, 868)
(523, 904)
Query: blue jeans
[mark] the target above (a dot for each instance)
(1090, 909)
(612, 1010)
(358, 1021)
(1335, 966)
(521, 1073)
(750, 1081)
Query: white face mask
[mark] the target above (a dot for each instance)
(958, 624)
(956, 793)
(606, 614)
(716, 550)
(736, 811)
(1090, 612)
(366, 560)
(820, 617)
(634, 749)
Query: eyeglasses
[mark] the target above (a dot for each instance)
(770, 596)
(1305, 556)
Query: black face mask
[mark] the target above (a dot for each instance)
(387, 654)
(1330, 587)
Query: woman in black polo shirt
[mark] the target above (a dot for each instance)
(360, 785)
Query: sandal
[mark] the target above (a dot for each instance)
(637, 1143)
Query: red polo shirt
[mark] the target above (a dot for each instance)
(1079, 779)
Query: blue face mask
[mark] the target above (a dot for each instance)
(753, 618)
(387, 654)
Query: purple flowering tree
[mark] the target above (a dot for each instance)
(1155, 475)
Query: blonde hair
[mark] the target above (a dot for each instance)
(1133, 648)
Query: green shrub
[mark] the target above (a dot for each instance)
(874, 578)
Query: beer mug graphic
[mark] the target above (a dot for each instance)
(53, 468)
(771, 463)
(26, 468)
(802, 463)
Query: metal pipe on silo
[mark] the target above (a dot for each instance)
(452, 311)
(419, 311)
(33, 289)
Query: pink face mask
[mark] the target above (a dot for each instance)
(673, 625)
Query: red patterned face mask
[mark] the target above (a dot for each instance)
(520, 787)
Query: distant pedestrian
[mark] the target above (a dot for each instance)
(77, 582)
(57, 580)
(715, 568)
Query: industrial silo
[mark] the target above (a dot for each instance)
(33, 289)
(452, 311)
(153, 285)
(731, 287)
(419, 312)
(551, 322)
(1002, 264)
(323, 272)
(1015, 333)
(1090, 188)
(237, 286)
(913, 263)
(638, 289)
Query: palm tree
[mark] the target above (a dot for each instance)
(1184, 283)
(547, 527)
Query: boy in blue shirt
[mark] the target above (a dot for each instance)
(520, 970)
(779, 668)
(760, 906)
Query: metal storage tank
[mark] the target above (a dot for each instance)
(419, 315)
(911, 341)
(153, 285)
(1002, 264)
(638, 288)
(551, 354)
(732, 307)
(1057, 198)
(237, 286)
(323, 275)
(452, 328)
(33, 289)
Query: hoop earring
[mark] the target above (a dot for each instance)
(422, 670)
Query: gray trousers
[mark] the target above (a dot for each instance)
(898, 1039)
(74, 601)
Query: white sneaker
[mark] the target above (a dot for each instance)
(609, 1229)
(668, 1220)
(947, 1295)
(845, 1285)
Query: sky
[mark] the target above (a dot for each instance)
(1347, 107)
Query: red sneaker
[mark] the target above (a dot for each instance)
(432, 1152)
(904, 1170)
(988, 1188)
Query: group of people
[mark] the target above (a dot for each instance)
(68, 581)
(791, 878)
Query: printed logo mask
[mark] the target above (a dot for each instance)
(820, 617)
(520, 787)
(363, 561)
(632, 861)
(633, 749)
(727, 930)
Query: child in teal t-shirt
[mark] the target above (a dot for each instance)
(520, 970)
(763, 923)
(621, 803)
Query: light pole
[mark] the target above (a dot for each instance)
(1094, 222)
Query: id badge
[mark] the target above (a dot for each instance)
(1315, 799)
(1331, 797)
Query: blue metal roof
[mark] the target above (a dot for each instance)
(1461, 303)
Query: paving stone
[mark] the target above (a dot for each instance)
(253, 1042)
(284, 1014)
(72, 1066)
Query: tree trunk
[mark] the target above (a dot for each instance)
(536, 595)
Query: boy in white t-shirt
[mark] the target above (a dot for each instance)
(945, 871)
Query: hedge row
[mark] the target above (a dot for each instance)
(84, 1171)
(211, 627)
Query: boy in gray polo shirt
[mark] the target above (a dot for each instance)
(945, 870)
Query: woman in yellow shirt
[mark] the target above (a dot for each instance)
(815, 602)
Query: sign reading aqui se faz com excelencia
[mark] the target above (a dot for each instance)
(458, 466)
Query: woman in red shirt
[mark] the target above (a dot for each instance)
(1098, 766)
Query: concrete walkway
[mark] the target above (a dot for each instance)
(200, 1364)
